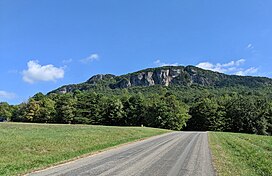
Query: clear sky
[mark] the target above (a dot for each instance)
(48, 43)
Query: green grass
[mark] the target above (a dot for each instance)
(241, 154)
(26, 147)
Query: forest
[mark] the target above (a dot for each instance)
(177, 108)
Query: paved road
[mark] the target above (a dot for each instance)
(177, 153)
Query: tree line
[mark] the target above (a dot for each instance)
(160, 111)
(230, 112)
(245, 114)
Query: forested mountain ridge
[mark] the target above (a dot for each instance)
(167, 76)
(171, 97)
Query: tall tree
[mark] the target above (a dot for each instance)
(47, 110)
(206, 115)
(88, 109)
(65, 108)
(32, 110)
(113, 111)
(6, 111)
(166, 112)
(135, 110)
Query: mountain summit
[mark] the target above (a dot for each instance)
(167, 76)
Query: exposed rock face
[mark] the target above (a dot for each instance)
(96, 78)
(168, 75)
(163, 76)
(124, 83)
(65, 89)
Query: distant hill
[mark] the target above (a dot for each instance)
(167, 76)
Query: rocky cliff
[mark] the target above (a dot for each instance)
(164, 76)
(167, 76)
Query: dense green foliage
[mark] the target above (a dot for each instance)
(195, 108)
(247, 114)
(162, 111)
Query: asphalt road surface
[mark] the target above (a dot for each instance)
(177, 153)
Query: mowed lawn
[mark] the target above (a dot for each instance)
(26, 147)
(241, 154)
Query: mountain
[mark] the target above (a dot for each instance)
(167, 76)
(171, 97)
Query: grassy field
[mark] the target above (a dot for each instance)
(241, 154)
(25, 147)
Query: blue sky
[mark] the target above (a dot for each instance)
(48, 43)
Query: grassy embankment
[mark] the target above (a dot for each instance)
(25, 147)
(241, 154)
